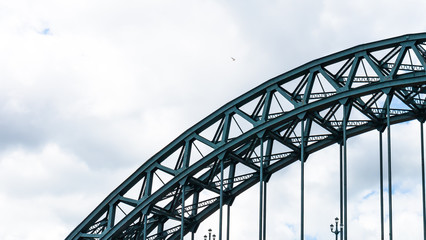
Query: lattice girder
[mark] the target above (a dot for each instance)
(359, 79)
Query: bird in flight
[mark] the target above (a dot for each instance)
(233, 59)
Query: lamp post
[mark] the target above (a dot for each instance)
(210, 236)
(337, 227)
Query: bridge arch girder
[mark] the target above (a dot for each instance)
(361, 79)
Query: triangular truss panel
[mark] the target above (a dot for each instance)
(370, 100)
(213, 132)
(245, 168)
(137, 190)
(121, 210)
(160, 178)
(295, 86)
(279, 105)
(332, 116)
(254, 107)
(387, 55)
(318, 128)
(365, 74)
(278, 147)
(174, 160)
(339, 68)
(321, 87)
(198, 151)
(398, 104)
(357, 118)
(410, 63)
(238, 126)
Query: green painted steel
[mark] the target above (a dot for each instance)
(357, 79)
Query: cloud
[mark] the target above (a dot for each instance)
(39, 188)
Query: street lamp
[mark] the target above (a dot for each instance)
(337, 227)
(210, 236)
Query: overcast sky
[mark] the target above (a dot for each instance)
(90, 89)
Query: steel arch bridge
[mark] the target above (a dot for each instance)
(282, 121)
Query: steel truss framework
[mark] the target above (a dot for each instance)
(324, 102)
